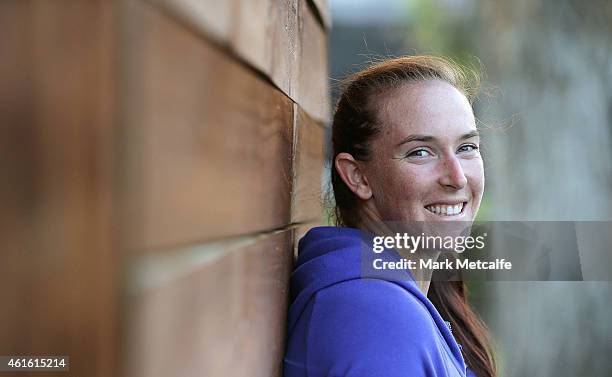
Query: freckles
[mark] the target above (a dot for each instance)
(476, 171)
(474, 174)
(420, 174)
(473, 167)
(414, 182)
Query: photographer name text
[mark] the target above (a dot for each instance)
(403, 264)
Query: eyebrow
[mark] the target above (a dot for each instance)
(425, 138)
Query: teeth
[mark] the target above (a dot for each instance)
(446, 210)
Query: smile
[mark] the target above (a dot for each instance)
(446, 209)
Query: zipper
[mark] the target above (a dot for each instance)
(450, 328)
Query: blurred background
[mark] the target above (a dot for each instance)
(545, 113)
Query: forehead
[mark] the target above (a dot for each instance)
(431, 107)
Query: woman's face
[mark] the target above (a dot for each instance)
(426, 164)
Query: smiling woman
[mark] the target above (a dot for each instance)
(436, 164)
(405, 149)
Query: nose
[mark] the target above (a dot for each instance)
(452, 175)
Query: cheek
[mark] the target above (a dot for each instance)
(409, 184)
(474, 171)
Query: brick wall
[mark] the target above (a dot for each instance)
(160, 158)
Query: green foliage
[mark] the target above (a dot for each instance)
(438, 31)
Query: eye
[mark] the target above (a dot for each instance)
(419, 153)
(468, 148)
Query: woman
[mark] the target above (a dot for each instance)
(405, 148)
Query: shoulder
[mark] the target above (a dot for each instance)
(375, 303)
(369, 325)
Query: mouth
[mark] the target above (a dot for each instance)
(447, 209)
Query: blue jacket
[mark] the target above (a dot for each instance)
(344, 324)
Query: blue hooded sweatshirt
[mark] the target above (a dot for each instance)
(342, 323)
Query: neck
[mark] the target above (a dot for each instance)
(422, 276)
(370, 221)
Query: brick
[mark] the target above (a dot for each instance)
(308, 170)
(58, 265)
(211, 17)
(251, 33)
(208, 145)
(227, 318)
(324, 11)
(313, 90)
(285, 41)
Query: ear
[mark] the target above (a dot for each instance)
(352, 175)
